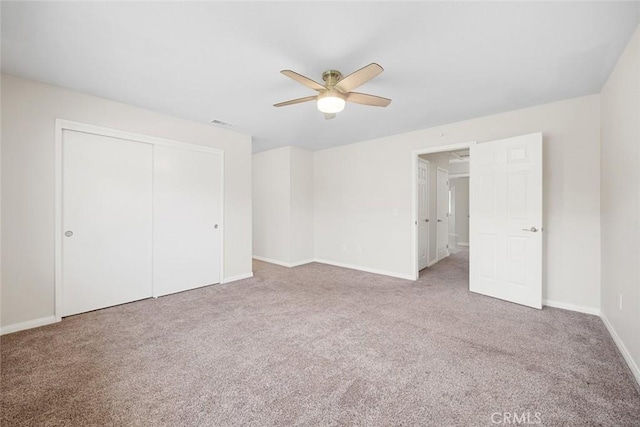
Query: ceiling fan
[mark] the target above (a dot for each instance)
(336, 92)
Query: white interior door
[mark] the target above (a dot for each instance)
(423, 213)
(187, 219)
(442, 201)
(506, 219)
(106, 199)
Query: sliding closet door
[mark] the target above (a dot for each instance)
(107, 229)
(187, 219)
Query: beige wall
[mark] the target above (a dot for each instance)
(283, 206)
(363, 196)
(272, 204)
(29, 110)
(620, 202)
(301, 205)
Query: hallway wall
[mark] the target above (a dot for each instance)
(462, 209)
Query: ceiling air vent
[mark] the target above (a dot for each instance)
(221, 123)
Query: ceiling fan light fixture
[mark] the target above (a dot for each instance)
(331, 102)
(337, 91)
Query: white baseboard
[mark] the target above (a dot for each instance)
(29, 324)
(572, 307)
(238, 277)
(635, 369)
(283, 263)
(463, 244)
(365, 269)
(303, 262)
(271, 261)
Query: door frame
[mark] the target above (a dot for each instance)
(62, 125)
(417, 212)
(414, 194)
(438, 258)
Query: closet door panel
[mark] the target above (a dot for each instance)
(187, 219)
(107, 221)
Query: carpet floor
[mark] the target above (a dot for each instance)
(322, 346)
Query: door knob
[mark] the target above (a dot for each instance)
(426, 220)
(439, 220)
(215, 226)
(68, 233)
(532, 229)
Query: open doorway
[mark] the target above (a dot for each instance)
(505, 241)
(459, 192)
(441, 203)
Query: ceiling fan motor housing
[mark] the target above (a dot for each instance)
(331, 77)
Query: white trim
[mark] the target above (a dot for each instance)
(463, 244)
(417, 214)
(414, 165)
(571, 307)
(238, 277)
(438, 201)
(458, 175)
(29, 324)
(62, 124)
(120, 134)
(465, 160)
(222, 216)
(443, 148)
(303, 262)
(283, 263)
(635, 369)
(57, 252)
(365, 269)
(271, 261)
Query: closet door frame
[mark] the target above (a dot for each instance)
(62, 125)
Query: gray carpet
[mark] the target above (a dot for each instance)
(319, 345)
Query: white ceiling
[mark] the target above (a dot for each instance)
(443, 62)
